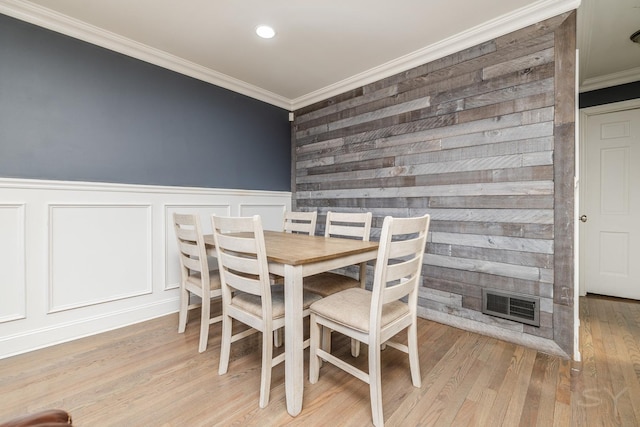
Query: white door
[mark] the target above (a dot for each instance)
(611, 199)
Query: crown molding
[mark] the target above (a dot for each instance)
(614, 79)
(505, 24)
(46, 18)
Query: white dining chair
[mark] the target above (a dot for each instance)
(247, 293)
(342, 225)
(196, 276)
(374, 317)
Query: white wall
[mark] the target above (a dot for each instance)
(77, 259)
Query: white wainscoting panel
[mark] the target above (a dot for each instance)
(272, 215)
(12, 262)
(99, 253)
(83, 258)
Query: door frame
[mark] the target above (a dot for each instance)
(585, 113)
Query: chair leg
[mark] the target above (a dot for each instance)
(326, 339)
(414, 360)
(267, 362)
(375, 384)
(184, 308)
(205, 315)
(355, 348)
(314, 360)
(225, 344)
(278, 338)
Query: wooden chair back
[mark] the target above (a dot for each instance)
(300, 222)
(399, 264)
(242, 258)
(349, 225)
(191, 248)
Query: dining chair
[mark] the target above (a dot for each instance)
(247, 294)
(374, 317)
(196, 276)
(300, 222)
(344, 225)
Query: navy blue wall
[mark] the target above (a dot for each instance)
(70, 110)
(610, 94)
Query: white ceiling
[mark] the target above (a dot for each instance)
(607, 56)
(326, 47)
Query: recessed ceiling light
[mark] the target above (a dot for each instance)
(265, 31)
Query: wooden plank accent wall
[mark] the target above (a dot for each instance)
(483, 140)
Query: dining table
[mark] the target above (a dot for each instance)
(295, 256)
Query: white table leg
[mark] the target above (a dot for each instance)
(293, 343)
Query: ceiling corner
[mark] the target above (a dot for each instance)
(529, 15)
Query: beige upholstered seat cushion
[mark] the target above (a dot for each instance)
(329, 283)
(253, 304)
(214, 280)
(351, 308)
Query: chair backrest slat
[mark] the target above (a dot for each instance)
(241, 244)
(248, 284)
(188, 247)
(192, 264)
(241, 264)
(188, 234)
(408, 279)
(405, 248)
(346, 231)
(402, 270)
(298, 227)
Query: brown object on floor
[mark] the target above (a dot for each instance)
(48, 418)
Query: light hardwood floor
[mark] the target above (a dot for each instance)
(149, 375)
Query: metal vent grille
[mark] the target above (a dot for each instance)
(511, 306)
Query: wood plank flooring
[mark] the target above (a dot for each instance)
(149, 375)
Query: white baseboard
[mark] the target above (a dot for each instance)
(46, 336)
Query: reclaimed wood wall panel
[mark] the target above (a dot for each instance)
(479, 141)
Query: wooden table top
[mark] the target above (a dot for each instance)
(300, 249)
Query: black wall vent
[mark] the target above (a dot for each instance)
(510, 306)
